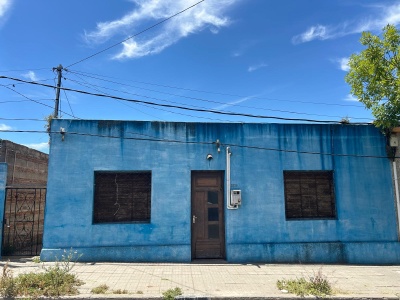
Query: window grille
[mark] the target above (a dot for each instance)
(309, 195)
(122, 197)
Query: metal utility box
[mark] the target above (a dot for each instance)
(394, 141)
(236, 197)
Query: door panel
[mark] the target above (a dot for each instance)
(208, 230)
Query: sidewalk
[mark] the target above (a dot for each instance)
(220, 280)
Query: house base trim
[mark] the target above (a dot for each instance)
(170, 253)
(378, 253)
(382, 253)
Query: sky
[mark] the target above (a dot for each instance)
(277, 59)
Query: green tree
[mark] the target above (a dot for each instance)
(374, 76)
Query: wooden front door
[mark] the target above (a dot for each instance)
(208, 230)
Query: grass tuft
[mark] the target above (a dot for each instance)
(101, 289)
(172, 293)
(54, 281)
(7, 283)
(316, 285)
(119, 291)
(36, 259)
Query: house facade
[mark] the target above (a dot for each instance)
(176, 192)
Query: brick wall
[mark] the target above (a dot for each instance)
(26, 166)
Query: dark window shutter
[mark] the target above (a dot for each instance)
(122, 197)
(309, 195)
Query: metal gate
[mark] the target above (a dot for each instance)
(23, 221)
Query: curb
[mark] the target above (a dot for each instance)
(194, 297)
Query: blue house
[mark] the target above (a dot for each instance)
(176, 192)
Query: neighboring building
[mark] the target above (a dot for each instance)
(165, 191)
(24, 193)
(26, 166)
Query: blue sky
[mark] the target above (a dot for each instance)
(282, 58)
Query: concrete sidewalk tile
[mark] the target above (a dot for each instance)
(223, 279)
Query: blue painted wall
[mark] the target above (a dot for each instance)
(3, 182)
(364, 231)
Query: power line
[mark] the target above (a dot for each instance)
(37, 69)
(31, 82)
(146, 105)
(66, 97)
(205, 143)
(208, 92)
(41, 99)
(128, 38)
(25, 96)
(181, 107)
(22, 119)
(88, 85)
(41, 80)
(210, 101)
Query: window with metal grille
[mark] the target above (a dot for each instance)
(309, 195)
(122, 197)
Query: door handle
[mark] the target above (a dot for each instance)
(194, 219)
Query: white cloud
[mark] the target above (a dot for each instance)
(256, 67)
(344, 64)
(30, 75)
(5, 127)
(39, 146)
(233, 103)
(4, 6)
(245, 46)
(314, 32)
(350, 97)
(386, 15)
(236, 53)
(208, 14)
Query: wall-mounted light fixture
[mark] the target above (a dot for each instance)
(218, 144)
(209, 157)
(62, 131)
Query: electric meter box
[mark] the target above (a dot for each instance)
(394, 141)
(236, 197)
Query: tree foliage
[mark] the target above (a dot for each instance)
(374, 76)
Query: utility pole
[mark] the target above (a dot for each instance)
(59, 71)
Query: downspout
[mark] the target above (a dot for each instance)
(228, 179)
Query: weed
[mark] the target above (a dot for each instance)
(68, 259)
(53, 281)
(101, 289)
(345, 120)
(48, 122)
(172, 293)
(120, 291)
(7, 283)
(36, 259)
(317, 285)
(139, 292)
(320, 284)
